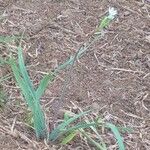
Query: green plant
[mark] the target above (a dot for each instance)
(72, 131)
(62, 128)
(8, 39)
(106, 20)
(32, 97)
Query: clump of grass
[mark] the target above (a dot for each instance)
(31, 95)
(65, 128)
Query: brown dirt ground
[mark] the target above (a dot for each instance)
(113, 76)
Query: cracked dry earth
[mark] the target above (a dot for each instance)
(113, 77)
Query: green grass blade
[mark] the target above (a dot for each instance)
(80, 126)
(38, 116)
(65, 64)
(69, 137)
(103, 145)
(24, 73)
(104, 23)
(58, 130)
(117, 135)
(39, 122)
(43, 84)
(99, 122)
(8, 39)
(67, 122)
(21, 83)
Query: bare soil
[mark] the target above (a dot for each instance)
(113, 76)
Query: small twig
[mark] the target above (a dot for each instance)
(144, 97)
(13, 124)
(125, 70)
(132, 115)
(146, 75)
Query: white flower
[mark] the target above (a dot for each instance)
(112, 13)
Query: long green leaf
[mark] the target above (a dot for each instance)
(39, 119)
(69, 137)
(43, 84)
(38, 116)
(58, 130)
(80, 126)
(24, 73)
(7, 39)
(117, 135)
(67, 122)
(39, 122)
(21, 83)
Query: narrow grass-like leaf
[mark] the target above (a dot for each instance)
(39, 122)
(28, 91)
(21, 83)
(38, 116)
(117, 135)
(104, 23)
(58, 130)
(79, 126)
(69, 137)
(97, 120)
(43, 84)
(67, 122)
(65, 64)
(7, 39)
(66, 116)
(24, 73)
